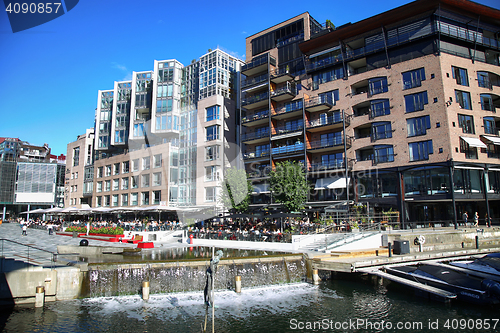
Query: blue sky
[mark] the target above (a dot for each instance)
(50, 74)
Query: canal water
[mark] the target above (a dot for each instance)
(333, 306)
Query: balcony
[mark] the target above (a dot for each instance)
(319, 103)
(286, 151)
(284, 92)
(258, 118)
(255, 137)
(255, 83)
(258, 65)
(334, 165)
(330, 122)
(315, 65)
(282, 132)
(333, 144)
(255, 101)
(288, 111)
(281, 75)
(254, 155)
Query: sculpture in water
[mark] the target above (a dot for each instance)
(211, 270)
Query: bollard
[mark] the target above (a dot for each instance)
(145, 290)
(39, 297)
(315, 276)
(237, 284)
(389, 245)
(477, 242)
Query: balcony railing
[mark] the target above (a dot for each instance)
(330, 120)
(330, 142)
(259, 61)
(255, 154)
(288, 149)
(485, 84)
(256, 116)
(314, 65)
(333, 165)
(288, 88)
(255, 135)
(383, 159)
(254, 99)
(288, 128)
(289, 108)
(254, 81)
(318, 101)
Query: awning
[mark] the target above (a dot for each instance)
(331, 183)
(473, 142)
(492, 139)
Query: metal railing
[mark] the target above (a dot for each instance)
(29, 254)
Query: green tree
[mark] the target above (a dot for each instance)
(289, 185)
(236, 190)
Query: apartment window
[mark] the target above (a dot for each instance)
(139, 130)
(120, 136)
(470, 152)
(157, 162)
(414, 78)
(174, 158)
(331, 96)
(76, 175)
(116, 184)
(420, 151)
(135, 181)
(126, 167)
(125, 199)
(379, 107)
(107, 171)
(100, 172)
(107, 200)
(156, 197)
(211, 173)
(135, 165)
(133, 198)
(483, 80)
(210, 194)
(213, 113)
(381, 130)
(145, 198)
(332, 161)
(213, 132)
(172, 194)
(157, 179)
(116, 169)
(76, 156)
(212, 153)
(416, 102)
(460, 75)
(489, 126)
(418, 126)
(72, 175)
(98, 201)
(383, 154)
(487, 102)
(377, 85)
(463, 98)
(466, 123)
(125, 183)
(146, 163)
(107, 185)
(145, 180)
(114, 201)
(99, 187)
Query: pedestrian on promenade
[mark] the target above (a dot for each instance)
(488, 220)
(476, 219)
(25, 229)
(465, 216)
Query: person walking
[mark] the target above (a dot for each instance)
(476, 219)
(25, 229)
(465, 216)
